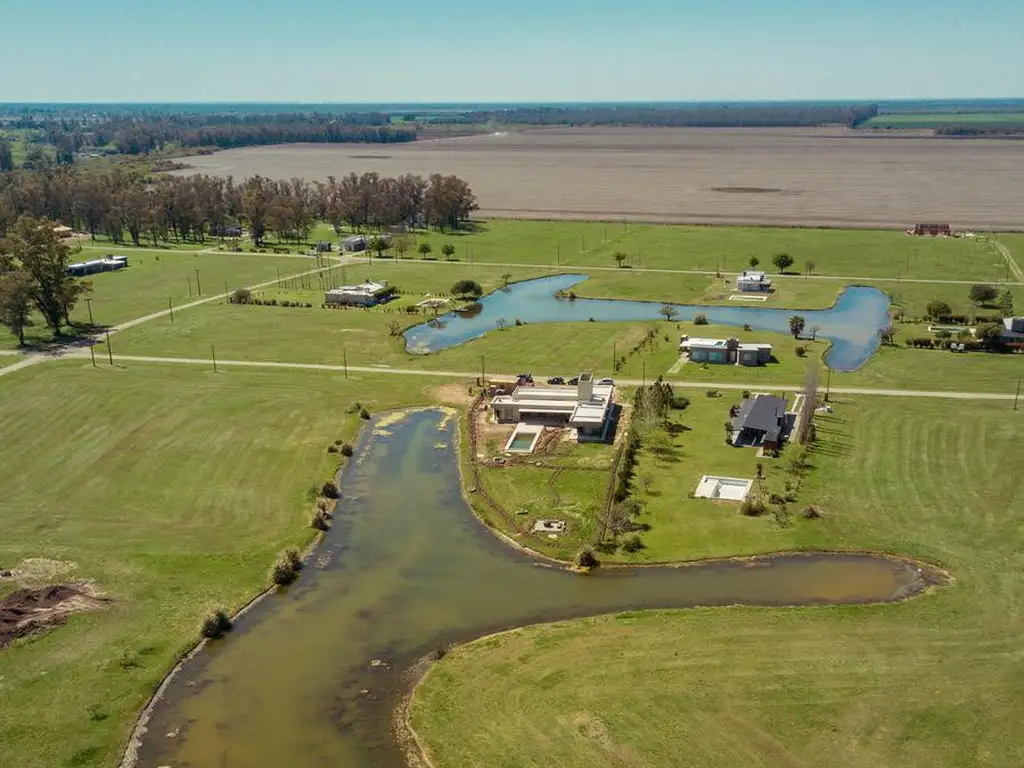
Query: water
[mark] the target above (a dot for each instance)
(405, 569)
(851, 324)
(522, 442)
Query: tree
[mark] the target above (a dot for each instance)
(467, 289)
(402, 243)
(937, 309)
(668, 312)
(983, 294)
(619, 257)
(448, 250)
(424, 249)
(810, 267)
(618, 518)
(754, 261)
(505, 278)
(727, 426)
(815, 330)
(45, 260)
(448, 201)
(500, 323)
(16, 302)
(6, 156)
(394, 328)
(796, 325)
(990, 335)
(379, 244)
(1006, 303)
(783, 261)
(886, 335)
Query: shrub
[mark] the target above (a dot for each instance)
(632, 543)
(776, 499)
(585, 558)
(746, 394)
(712, 393)
(356, 407)
(801, 351)
(241, 296)
(331, 490)
(746, 327)
(811, 513)
(364, 415)
(321, 520)
(215, 624)
(937, 309)
(700, 319)
(332, 449)
(346, 450)
(286, 567)
(752, 507)
(679, 403)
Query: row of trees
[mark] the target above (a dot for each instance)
(122, 204)
(33, 275)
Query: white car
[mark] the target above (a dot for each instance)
(607, 381)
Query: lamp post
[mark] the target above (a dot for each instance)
(170, 308)
(88, 302)
(199, 287)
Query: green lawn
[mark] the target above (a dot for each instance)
(931, 682)
(172, 488)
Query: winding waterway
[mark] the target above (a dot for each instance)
(851, 324)
(312, 675)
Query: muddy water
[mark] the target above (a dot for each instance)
(406, 569)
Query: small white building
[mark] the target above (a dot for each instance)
(1013, 329)
(753, 282)
(587, 407)
(108, 263)
(355, 243)
(363, 295)
(726, 351)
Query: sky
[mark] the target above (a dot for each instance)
(516, 50)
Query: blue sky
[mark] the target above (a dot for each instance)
(518, 50)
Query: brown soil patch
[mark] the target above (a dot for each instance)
(26, 611)
(813, 177)
(454, 393)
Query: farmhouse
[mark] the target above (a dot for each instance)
(753, 282)
(727, 351)
(106, 264)
(761, 421)
(363, 295)
(587, 407)
(932, 229)
(355, 243)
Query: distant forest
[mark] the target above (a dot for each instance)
(739, 116)
(1012, 130)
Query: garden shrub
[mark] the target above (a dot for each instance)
(332, 449)
(241, 296)
(364, 415)
(346, 450)
(811, 513)
(321, 520)
(286, 568)
(632, 543)
(215, 624)
(801, 351)
(752, 507)
(700, 319)
(331, 490)
(585, 558)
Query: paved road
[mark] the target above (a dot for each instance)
(383, 369)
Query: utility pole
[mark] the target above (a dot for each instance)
(1017, 396)
(828, 384)
(170, 308)
(189, 285)
(643, 372)
(213, 354)
(88, 301)
(199, 287)
(92, 353)
(615, 358)
(483, 371)
(110, 350)
(344, 361)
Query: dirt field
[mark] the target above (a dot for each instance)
(828, 177)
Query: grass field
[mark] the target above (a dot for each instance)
(933, 682)
(172, 488)
(935, 119)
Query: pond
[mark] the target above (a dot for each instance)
(851, 324)
(312, 675)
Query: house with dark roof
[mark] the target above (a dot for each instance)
(760, 421)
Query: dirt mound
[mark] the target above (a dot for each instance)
(25, 611)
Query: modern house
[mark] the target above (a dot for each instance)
(753, 282)
(726, 351)
(106, 264)
(1013, 328)
(761, 421)
(363, 295)
(355, 243)
(587, 407)
(61, 231)
(933, 230)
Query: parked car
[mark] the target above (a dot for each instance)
(556, 380)
(526, 377)
(607, 381)
(573, 381)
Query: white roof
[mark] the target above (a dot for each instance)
(751, 277)
(718, 344)
(362, 289)
(561, 400)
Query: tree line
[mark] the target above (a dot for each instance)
(705, 116)
(130, 206)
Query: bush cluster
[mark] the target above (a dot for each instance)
(286, 568)
(346, 450)
(272, 302)
(331, 490)
(700, 319)
(586, 558)
(627, 467)
(632, 543)
(752, 507)
(215, 624)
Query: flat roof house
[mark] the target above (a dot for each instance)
(726, 351)
(1013, 328)
(363, 295)
(587, 407)
(354, 243)
(753, 282)
(760, 422)
(106, 264)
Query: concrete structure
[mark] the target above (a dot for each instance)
(753, 282)
(355, 243)
(323, 246)
(363, 295)
(932, 229)
(62, 231)
(587, 407)
(726, 351)
(761, 421)
(722, 488)
(524, 438)
(1013, 329)
(106, 264)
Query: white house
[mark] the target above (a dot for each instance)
(727, 351)
(364, 295)
(108, 263)
(753, 282)
(587, 407)
(355, 243)
(1013, 329)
